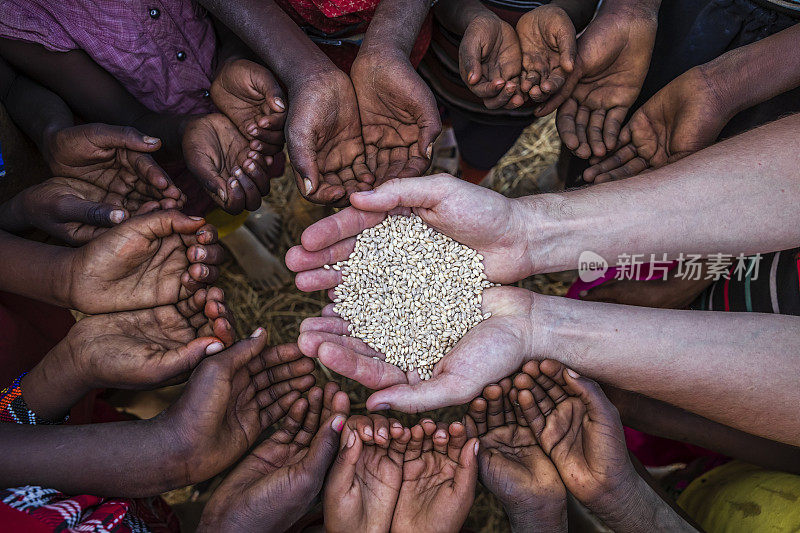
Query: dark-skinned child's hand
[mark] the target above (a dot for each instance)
(680, 119)
(150, 260)
(580, 430)
(547, 38)
(323, 137)
(129, 350)
(364, 483)
(225, 163)
(249, 95)
(613, 59)
(490, 62)
(440, 469)
(512, 465)
(278, 482)
(399, 116)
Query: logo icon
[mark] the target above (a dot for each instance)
(591, 266)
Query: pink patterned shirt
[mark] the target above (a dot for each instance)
(161, 51)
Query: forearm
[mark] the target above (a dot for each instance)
(37, 111)
(168, 128)
(639, 508)
(274, 37)
(738, 369)
(757, 72)
(648, 8)
(395, 25)
(229, 46)
(54, 385)
(664, 420)
(455, 15)
(579, 11)
(737, 196)
(34, 270)
(124, 459)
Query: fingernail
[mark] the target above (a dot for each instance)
(573, 374)
(338, 423)
(237, 172)
(279, 103)
(205, 271)
(268, 159)
(429, 151)
(364, 193)
(397, 425)
(117, 216)
(476, 447)
(351, 439)
(214, 347)
(368, 431)
(382, 407)
(196, 218)
(308, 184)
(235, 183)
(252, 130)
(257, 333)
(222, 194)
(150, 140)
(439, 434)
(200, 254)
(251, 166)
(383, 433)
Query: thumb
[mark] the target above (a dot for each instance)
(160, 224)
(241, 353)
(568, 47)
(74, 209)
(469, 58)
(342, 474)
(426, 192)
(183, 359)
(466, 475)
(440, 391)
(303, 157)
(107, 136)
(325, 444)
(598, 406)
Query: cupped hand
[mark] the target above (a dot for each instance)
(580, 430)
(231, 398)
(547, 39)
(278, 482)
(364, 482)
(113, 158)
(151, 347)
(225, 163)
(399, 116)
(490, 62)
(323, 137)
(613, 59)
(680, 119)
(457, 378)
(150, 260)
(482, 219)
(440, 469)
(249, 95)
(512, 465)
(76, 211)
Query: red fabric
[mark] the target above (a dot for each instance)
(658, 451)
(345, 18)
(14, 520)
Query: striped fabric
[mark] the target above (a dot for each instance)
(773, 286)
(14, 409)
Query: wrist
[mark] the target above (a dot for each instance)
(49, 141)
(312, 70)
(13, 214)
(639, 9)
(728, 86)
(54, 385)
(550, 517)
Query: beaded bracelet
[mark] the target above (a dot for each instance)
(14, 409)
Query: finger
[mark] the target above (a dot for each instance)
(303, 157)
(241, 353)
(503, 97)
(594, 132)
(160, 224)
(414, 447)
(212, 255)
(324, 446)
(74, 209)
(598, 406)
(362, 425)
(202, 273)
(508, 411)
(274, 393)
(107, 136)
(272, 412)
(312, 419)
(184, 359)
(372, 373)
(149, 172)
(380, 429)
(312, 340)
(342, 473)
(274, 356)
(466, 475)
(581, 123)
(530, 411)
(342, 225)
(299, 259)
(458, 438)
(631, 168)
(567, 44)
(614, 161)
(612, 126)
(494, 401)
(292, 422)
(553, 389)
(469, 59)
(425, 192)
(418, 397)
(441, 439)
(565, 124)
(251, 194)
(285, 372)
(478, 413)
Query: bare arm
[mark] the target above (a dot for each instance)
(34, 270)
(738, 196)
(396, 25)
(738, 369)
